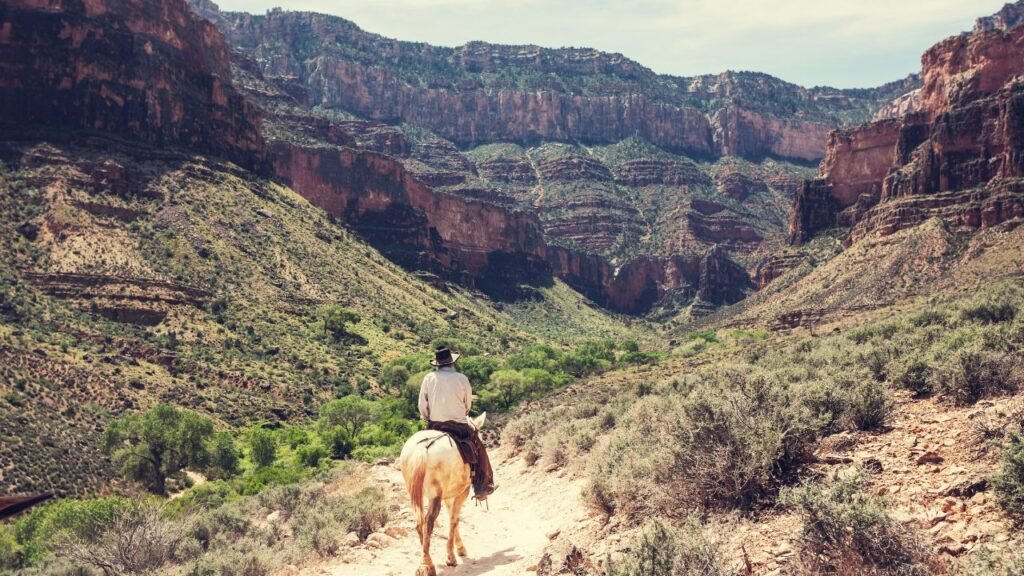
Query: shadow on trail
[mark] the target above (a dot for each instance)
(478, 566)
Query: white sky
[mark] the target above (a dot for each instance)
(842, 43)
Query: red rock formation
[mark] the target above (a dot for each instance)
(475, 241)
(148, 70)
(574, 95)
(637, 285)
(744, 133)
(960, 157)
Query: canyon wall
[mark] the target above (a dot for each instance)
(958, 155)
(480, 93)
(149, 71)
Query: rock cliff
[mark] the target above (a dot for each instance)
(149, 71)
(959, 155)
(573, 95)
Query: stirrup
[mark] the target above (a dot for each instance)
(483, 494)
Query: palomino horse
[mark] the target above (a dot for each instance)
(435, 472)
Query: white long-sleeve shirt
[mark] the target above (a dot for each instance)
(445, 395)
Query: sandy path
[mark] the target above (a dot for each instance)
(507, 539)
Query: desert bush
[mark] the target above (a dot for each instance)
(986, 562)
(1009, 482)
(929, 317)
(724, 442)
(366, 512)
(913, 374)
(311, 455)
(974, 373)
(848, 531)
(869, 405)
(661, 551)
(320, 530)
(247, 561)
(990, 311)
(137, 540)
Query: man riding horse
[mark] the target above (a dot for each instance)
(445, 399)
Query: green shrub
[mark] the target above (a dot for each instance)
(310, 455)
(974, 373)
(1009, 482)
(985, 562)
(661, 551)
(273, 475)
(913, 374)
(869, 405)
(224, 457)
(991, 312)
(262, 447)
(208, 496)
(725, 442)
(847, 530)
(12, 554)
(36, 533)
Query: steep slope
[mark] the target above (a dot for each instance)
(141, 260)
(635, 179)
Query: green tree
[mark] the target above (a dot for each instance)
(478, 369)
(506, 388)
(335, 320)
(263, 447)
(223, 454)
(158, 443)
(341, 421)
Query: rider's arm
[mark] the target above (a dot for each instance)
(468, 392)
(424, 401)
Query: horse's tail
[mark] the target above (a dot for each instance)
(415, 478)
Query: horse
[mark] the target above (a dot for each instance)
(435, 471)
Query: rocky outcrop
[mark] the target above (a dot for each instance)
(568, 95)
(638, 285)
(960, 156)
(647, 172)
(472, 241)
(141, 69)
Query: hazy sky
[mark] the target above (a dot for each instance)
(843, 43)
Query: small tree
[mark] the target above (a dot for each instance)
(335, 320)
(158, 443)
(341, 421)
(224, 455)
(263, 447)
(507, 387)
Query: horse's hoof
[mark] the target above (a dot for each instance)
(452, 563)
(426, 571)
(462, 552)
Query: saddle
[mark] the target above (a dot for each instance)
(462, 435)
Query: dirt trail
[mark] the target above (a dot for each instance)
(507, 539)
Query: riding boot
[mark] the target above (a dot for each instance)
(483, 475)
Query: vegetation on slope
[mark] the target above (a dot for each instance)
(741, 416)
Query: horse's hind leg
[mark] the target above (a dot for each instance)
(450, 504)
(456, 514)
(427, 568)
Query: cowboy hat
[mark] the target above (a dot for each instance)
(444, 357)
